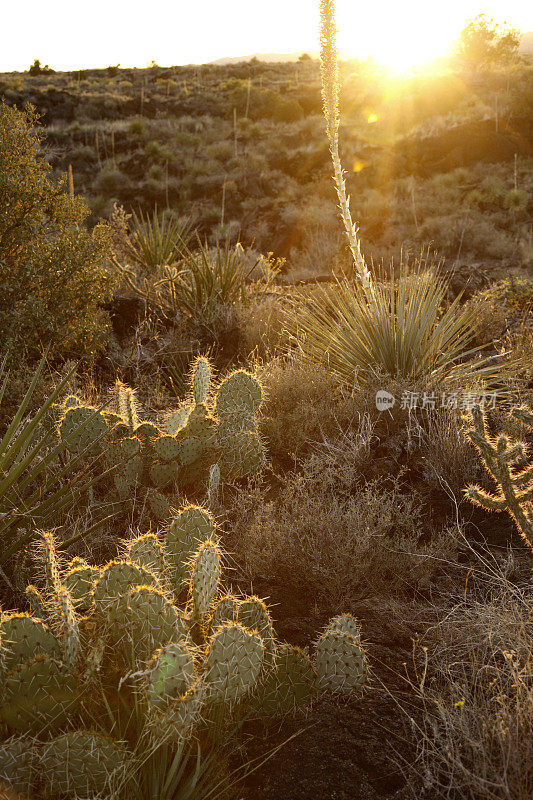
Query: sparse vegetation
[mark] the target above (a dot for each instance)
(270, 396)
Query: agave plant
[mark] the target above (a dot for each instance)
(402, 331)
(35, 487)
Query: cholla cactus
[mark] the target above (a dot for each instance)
(120, 646)
(499, 454)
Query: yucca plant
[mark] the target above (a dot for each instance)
(404, 332)
(157, 240)
(35, 487)
(199, 285)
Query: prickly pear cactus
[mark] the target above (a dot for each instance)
(212, 438)
(153, 650)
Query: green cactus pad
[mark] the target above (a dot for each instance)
(167, 448)
(201, 425)
(133, 471)
(152, 621)
(345, 623)
(177, 420)
(24, 637)
(147, 432)
(239, 391)
(205, 575)
(192, 526)
(340, 662)
(160, 506)
(116, 579)
(82, 764)
(176, 722)
(291, 684)
(163, 473)
(69, 627)
(19, 768)
(253, 614)
(38, 695)
(201, 378)
(191, 450)
(36, 602)
(234, 660)
(225, 611)
(147, 552)
(130, 447)
(242, 454)
(80, 583)
(86, 438)
(112, 419)
(172, 672)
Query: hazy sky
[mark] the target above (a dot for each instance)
(67, 34)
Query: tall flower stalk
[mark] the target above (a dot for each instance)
(330, 98)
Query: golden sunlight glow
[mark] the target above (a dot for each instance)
(134, 32)
(371, 117)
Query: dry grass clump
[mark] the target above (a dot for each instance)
(448, 458)
(304, 406)
(261, 325)
(332, 538)
(477, 743)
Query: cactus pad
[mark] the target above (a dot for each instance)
(82, 764)
(201, 378)
(205, 575)
(24, 637)
(340, 662)
(234, 660)
(37, 695)
(177, 420)
(291, 684)
(172, 672)
(167, 448)
(147, 552)
(85, 438)
(239, 391)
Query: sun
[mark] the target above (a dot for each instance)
(398, 37)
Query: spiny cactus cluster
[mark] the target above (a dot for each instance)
(212, 438)
(140, 656)
(500, 454)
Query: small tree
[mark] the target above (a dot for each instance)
(484, 43)
(53, 272)
(37, 69)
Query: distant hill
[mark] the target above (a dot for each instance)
(273, 58)
(526, 42)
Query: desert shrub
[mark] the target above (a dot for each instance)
(448, 459)
(303, 406)
(53, 270)
(334, 539)
(201, 287)
(504, 306)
